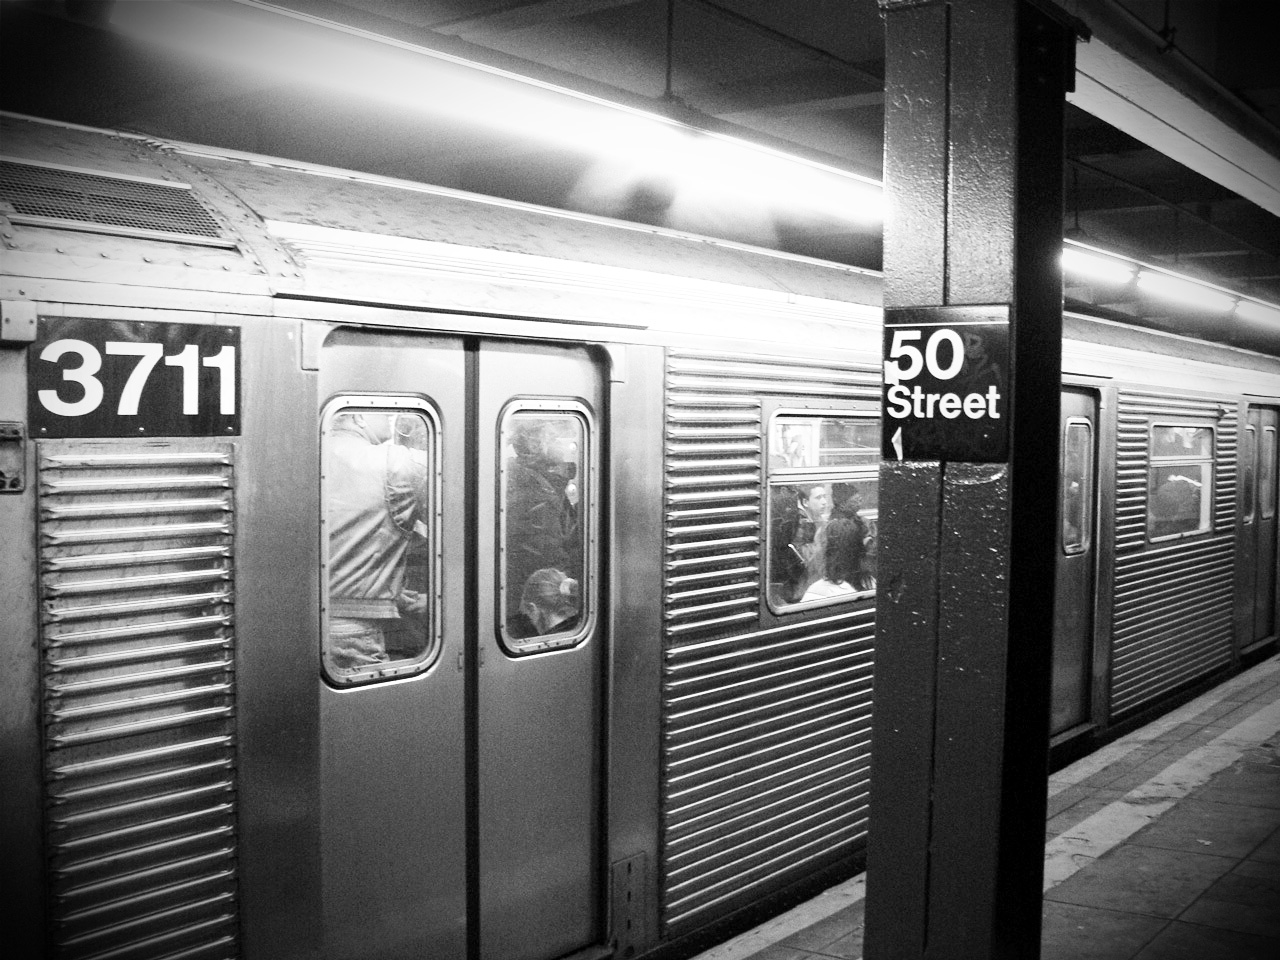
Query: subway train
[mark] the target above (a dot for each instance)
(392, 571)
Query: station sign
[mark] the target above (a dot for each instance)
(125, 378)
(946, 384)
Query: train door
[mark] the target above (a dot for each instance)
(1074, 591)
(460, 693)
(1258, 523)
(539, 704)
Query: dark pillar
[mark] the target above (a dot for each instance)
(973, 175)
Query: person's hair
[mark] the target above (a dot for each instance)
(846, 504)
(845, 550)
(553, 591)
(528, 436)
(372, 426)
(805, 490)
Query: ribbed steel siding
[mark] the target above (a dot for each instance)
(766, 733)
(138, 668)
(1173, 601)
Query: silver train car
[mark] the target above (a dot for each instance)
(395, 572)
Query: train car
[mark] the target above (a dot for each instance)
(1166, 575)
(392, 571)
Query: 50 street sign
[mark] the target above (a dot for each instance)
(946, 376)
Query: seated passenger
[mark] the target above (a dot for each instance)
(845, 550)
(550, 603)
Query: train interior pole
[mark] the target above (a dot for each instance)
(973, 326)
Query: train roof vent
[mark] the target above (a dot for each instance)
(54, 196)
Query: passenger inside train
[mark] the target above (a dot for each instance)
(799, 516)
(822, 468)
(843, 546)
(542, 535)
(550, 603)
(376, 498)
(1180, 482)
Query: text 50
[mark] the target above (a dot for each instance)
(187, 360)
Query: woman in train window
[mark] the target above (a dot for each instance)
(844, 542)
(550, 603)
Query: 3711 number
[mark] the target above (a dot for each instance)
(187, 360)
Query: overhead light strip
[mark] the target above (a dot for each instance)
(690, 156)
(1093, 264)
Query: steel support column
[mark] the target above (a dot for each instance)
(974, 94)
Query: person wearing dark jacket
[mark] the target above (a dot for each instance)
(541, 519)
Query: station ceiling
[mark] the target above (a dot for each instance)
(803, 77)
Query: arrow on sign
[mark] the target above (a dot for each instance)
(896, 440)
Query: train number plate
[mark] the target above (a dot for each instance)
(124, 378)
(946, 378)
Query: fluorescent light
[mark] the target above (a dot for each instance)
(705, 171)
(1258, 311)
(1104, 269)
(1186, 292)
(709, 162)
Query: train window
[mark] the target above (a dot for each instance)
(543, 537)
(1077, 486)
(378, 489)
(823, 496)
(1179, 481)
(1249, 472)
(1267, 474)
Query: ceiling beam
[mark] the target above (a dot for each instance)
(1165, 103)
(1223, 229)
(1100, 139)
(1209, 254)
(872, 76)
(809, 89)
(1089, 194)
(518, 16)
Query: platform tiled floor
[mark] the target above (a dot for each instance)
(1164, 845)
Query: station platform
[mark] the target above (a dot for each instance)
(1163, 845)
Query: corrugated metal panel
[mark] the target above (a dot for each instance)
(1172, 619)
(766, 733)
(752, 376)
(138, 663)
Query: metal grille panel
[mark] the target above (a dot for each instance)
(42, 194)
(1172, 619)
(138, 667)
(766, 732)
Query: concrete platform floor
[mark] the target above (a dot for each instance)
(1164, 845)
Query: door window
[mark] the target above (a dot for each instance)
(1077, 486)
(1267, 474)
(545, 486)
(1249, 472)
(378, 486)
